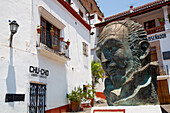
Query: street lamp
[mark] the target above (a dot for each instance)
(13, 28)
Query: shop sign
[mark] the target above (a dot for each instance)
(155, 37)
(14, 97)
(35, 71)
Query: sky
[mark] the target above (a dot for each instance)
(111, 7)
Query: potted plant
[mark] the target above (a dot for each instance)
(76, 97)
(68, 42)
(90, 93)
(61, 39)
(161, 21)
(56, 47)
(52, 31)
(38, 29)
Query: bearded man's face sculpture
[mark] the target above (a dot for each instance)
(124, 54)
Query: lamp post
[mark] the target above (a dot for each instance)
(13, 28)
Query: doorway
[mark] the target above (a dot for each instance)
(37, 98)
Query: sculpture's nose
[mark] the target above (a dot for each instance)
(103, 59)
(105, 62)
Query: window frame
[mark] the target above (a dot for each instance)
(85, 49)
(149, 24)
(56, 33)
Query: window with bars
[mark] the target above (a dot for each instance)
(85, 49)
(46, 38)
(149, 24)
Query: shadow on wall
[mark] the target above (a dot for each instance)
(10, 80)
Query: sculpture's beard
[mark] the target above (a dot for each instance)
(120, 73)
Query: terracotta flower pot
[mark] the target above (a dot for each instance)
(61, 39)
(56, 48)
(75, 106)
(52, 32)
(162, 23)
(68, 43)
(92, 102)
(38, 30)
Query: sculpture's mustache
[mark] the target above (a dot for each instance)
(114, 67)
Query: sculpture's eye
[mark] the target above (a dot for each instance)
(144, 46)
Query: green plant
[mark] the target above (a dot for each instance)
(52, 28)
(90, 91)
(161, 19)
(68, 40)
(97, 71)
(38, 27)
(77, 95)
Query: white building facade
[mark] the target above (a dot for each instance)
(38, 70)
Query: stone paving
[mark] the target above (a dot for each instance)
(101, 103)
(166, 107)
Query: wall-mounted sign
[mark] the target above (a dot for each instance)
(155, 37)
(14, 97)
(166, 55)
(35, 71)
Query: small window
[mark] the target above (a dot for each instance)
(46, 38)
(92, 17)
(149, 24)
(85, 49)
(69, 1)
(80, 13)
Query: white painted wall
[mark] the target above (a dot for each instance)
(100, 86)
(15, 62)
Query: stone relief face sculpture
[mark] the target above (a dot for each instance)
(125, 56)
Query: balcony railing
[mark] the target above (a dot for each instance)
(53, 44)
(155, 30)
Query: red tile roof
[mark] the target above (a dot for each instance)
(138, 10)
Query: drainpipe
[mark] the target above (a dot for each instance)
(86, 10)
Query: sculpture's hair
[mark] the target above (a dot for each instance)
(136, 33)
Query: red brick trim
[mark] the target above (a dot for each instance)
(65, 108)
(74, 13)
(137, 11)
(110, 110)
(100, 94)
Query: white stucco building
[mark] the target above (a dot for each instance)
(38, 71)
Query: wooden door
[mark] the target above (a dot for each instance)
(163, 92)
